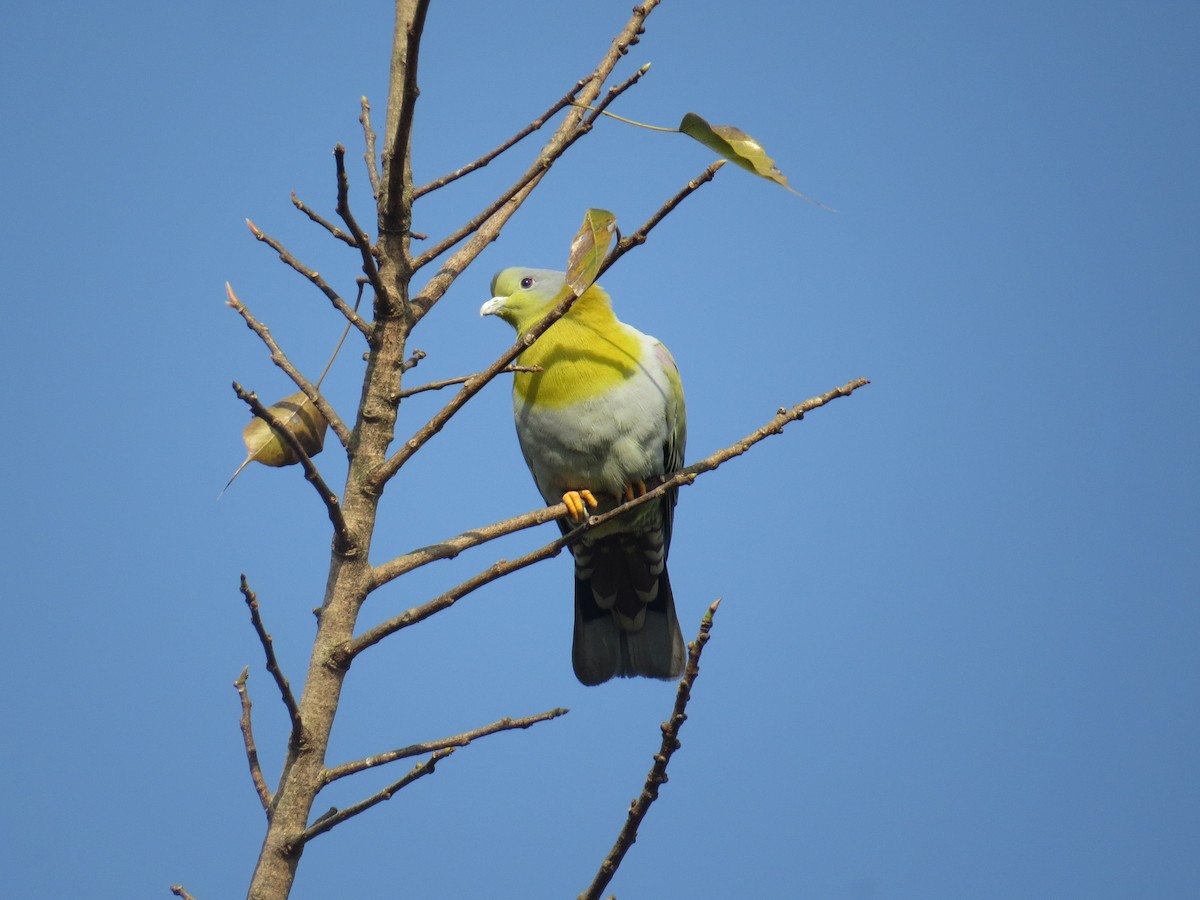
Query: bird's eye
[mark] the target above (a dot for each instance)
(526, 282)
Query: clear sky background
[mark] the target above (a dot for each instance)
(957, 655)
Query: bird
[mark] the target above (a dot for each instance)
(602, 415)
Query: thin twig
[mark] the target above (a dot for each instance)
(316, 217)
(332, 820)
(412, 361)
(451, 548)
(369, 156)
(280, 359)
(458, 740)
(511, 142)
(658, 770)
(313, 276)
(685, 476)
(637, 238)
(342, 542)
(178, 891)
(569, 131)
(285, 689)
(361, 239)
(256, 775)
(511, 196)
(461, 379)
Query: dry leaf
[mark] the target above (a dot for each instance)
(739, 148)
(298, 415)
(589, 248)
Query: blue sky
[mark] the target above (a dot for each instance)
(957, 651)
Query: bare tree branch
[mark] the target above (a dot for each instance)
(256, 775)
(458, 740)
(369, 155)
(361, 239)
(345, 654)
(178, 891)
(536, 170)
(529, 129)
(637, 238)
(317, 218)
(530, 176)
(658, 770)
(461, 379)
(570, 130)
(342, 540)
(329, 822)
(285, 689)
(775, 426)
(313, 276)
(394, 208)
(451, 548)
(280, 359)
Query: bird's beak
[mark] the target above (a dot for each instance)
(492, 307)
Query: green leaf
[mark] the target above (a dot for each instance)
(298, 415)
(589, 248)
(739, 148)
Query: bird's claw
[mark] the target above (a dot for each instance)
(633, 491)
(577, 503)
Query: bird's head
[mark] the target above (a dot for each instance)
(522, 296)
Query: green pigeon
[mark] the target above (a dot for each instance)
(603, 416)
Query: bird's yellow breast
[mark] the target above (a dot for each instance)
(583, 354)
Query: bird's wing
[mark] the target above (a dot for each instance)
(675, 434)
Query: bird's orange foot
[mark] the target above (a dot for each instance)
(632, 491)
(578, 502)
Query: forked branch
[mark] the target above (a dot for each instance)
(344, 655)
(333, 819)
(285, 688)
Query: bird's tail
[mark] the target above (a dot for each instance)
(625, 623)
